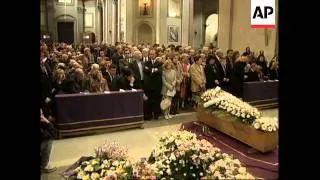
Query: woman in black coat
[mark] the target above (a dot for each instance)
(211, 72)
(237, 77)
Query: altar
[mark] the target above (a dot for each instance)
(80, 114)
(261, 94)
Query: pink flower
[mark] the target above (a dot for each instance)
(111, 177)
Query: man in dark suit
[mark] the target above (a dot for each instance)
(111, 75)
(191, 56)
(46, 87)
(79, 83)
(152, 85)
(116, 57)
(124, 63)
(223, 77)
(137, 67)
(125, 81)
(145, 55)
(229, 60)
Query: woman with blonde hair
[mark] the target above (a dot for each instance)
(60, 86)
(178, 68)
(198, 79)
(168, 91)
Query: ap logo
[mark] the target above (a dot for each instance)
(263, 14)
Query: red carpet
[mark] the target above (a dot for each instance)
(261, 165)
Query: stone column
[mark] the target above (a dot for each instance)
(157, 9)
(50, 20)
(191, 28)
(185, 22)
(80, 22)
(224, 29)
(105, 21)
(129, 21)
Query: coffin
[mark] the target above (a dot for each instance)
(261, 141)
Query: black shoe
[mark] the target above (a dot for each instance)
(147, 118)
(48, 170)
(173, 113)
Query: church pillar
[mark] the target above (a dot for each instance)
(185, 25)
(80, 20)
(225, 23)
(129, 21)
(50, 19)
(157, 9)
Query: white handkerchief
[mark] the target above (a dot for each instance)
(134, 90)
(121, 90)
(107, 92)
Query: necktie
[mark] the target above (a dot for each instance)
(111, 77)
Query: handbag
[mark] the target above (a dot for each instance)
(171, 93)
(165, 103)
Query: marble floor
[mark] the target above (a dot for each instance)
(139, 141)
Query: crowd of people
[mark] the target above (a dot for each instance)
(172, 78)
(174, 73)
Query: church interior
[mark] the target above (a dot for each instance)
(157, 89)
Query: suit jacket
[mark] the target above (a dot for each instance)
(152, 80)
(197, 77)
(78, 86)
(136, 71)
(252, 76)
(122, 82)
(116, 59)
(221, 73)
(123, 63)
(273, 74)
(46, 84)
(211, 74)
(229, 65)
(108, 77)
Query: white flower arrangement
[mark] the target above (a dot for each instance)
(179, 155)
(266, 124)
(223, 100)
(200, 159)
(219, 99)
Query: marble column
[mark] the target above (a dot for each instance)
(109, 21)
(80, 22)
(129, 21)
(185, 22)
(191, 28)
(105, 21)
(157, 9)
(224, 29)
(50, 20)
(98, 22)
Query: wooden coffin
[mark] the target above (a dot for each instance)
(262, 141)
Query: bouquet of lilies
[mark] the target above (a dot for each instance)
(180, 155)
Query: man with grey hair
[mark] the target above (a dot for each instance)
(145, 55)
(223, 75)
(137, 66)
(192, 54)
